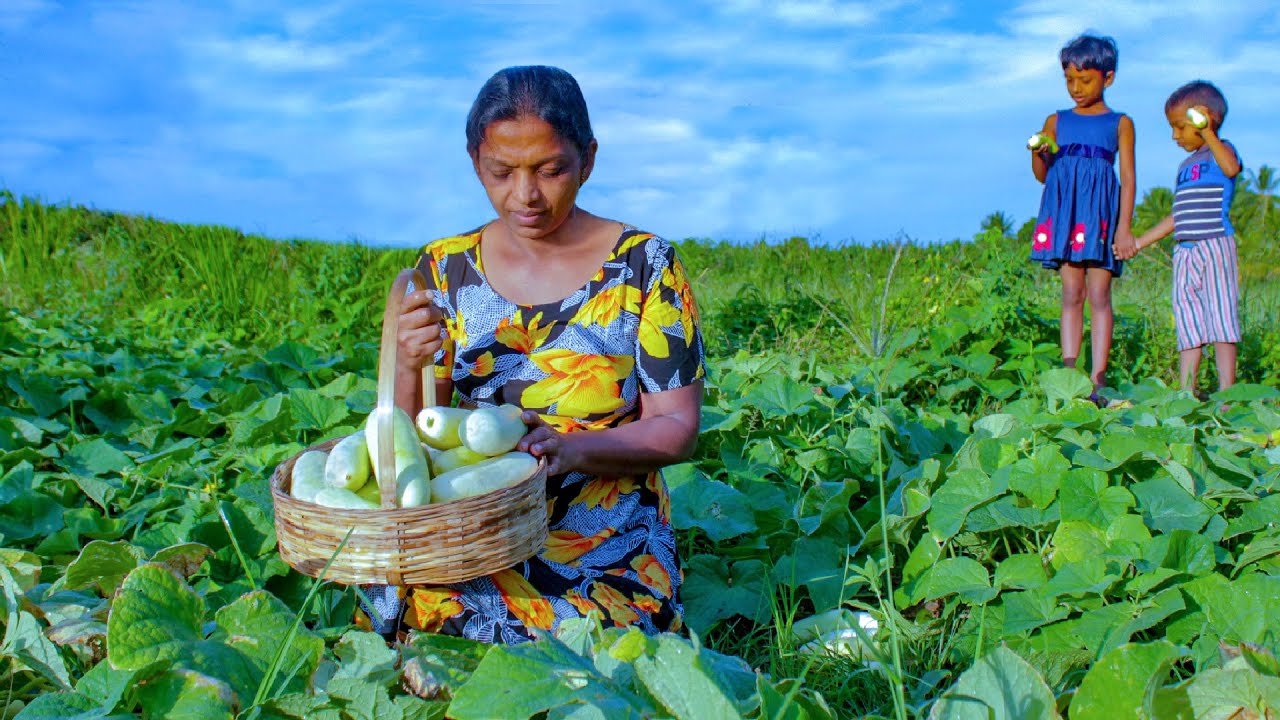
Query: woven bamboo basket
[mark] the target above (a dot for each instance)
(436, 543)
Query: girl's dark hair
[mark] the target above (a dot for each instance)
(544, 92)
(1199, 92)
(1091, 52)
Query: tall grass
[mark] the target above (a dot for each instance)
(841, 302)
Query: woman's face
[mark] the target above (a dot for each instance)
(531, 174)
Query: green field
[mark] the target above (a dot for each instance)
(886, 431)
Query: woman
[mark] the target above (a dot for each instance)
(591, 327)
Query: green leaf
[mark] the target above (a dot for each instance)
(1224, 693)
(156, 617)
(1085, 496)
(819, 564)
(717, 509)
(312, 410)
(962, 491)
(1023, 571)
(255, 625)
(923, 557)
(779, 396)
(679, 680)
(961, 576)
(24, 638)
(188, 695)
(1039, 477)
(1166, 506)
(365, 655)
(1124, 682)
(1063, 384)
(1242, 610)
(1026, 611)
(95, 457)
(713, 591)
(1245, 392)
(102, 565)
(519, 681)
(26, 513)
(999, 686)
(64, 706)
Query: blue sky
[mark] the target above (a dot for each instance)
(736, 120)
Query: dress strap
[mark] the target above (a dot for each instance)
(1088, 151)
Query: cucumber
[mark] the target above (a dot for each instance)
(348, 465)
(413, 485)
(338, 498)
(438, 426)
(1197, 118)
(492, 430)
(485, 476)
(1040, 141)
(308, 475)
(408, 447)
(454, 458)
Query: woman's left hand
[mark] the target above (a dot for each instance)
(544, 441)
(1124, 244)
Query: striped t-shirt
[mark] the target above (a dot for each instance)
(1202, 200)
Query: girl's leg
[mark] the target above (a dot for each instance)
(1189, 368)
(1101, 322)
(1224, 355)
(1073, 291)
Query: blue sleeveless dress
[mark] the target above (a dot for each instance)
(1081, 199)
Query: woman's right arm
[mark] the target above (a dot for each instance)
(1042, 159)
(420, 323)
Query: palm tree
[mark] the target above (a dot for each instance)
(1156, 204)
(999, 222)
(1265, 183)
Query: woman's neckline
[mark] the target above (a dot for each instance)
(623, 234)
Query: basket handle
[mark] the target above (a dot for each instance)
(385, 461)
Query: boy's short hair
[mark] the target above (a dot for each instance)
(1199, 92)
(1091, 52)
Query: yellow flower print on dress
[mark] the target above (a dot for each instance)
(579, 385)
(483, 364)
(646, 603)
(566, 546)
(582, 604)
(453, 245)
(615, 604)
(607, 305)
(673, 277)
(525, 602)
(431, 606)
(652, 574)
(654, 483)
(513, 333)
(605, 491)
(658, 313)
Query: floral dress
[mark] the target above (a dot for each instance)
(582, 363)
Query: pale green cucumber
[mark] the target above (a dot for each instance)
(485, 476)
(492, 430)
(308, 475)
(348, 466)
(339, 498)
(454, 458)
(438, 426)
(408, 447)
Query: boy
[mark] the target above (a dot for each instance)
(1206, 284)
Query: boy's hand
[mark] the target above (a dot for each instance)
(1124, 245)
(1206, 131)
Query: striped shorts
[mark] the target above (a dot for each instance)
(1206, 292)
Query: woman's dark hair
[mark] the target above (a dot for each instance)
(1091, 52)
(544, 92)
(1199, 92)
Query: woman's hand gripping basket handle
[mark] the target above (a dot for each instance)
(384, 459)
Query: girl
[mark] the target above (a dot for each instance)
(1084, 210)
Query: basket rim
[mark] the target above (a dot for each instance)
(432, 510)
